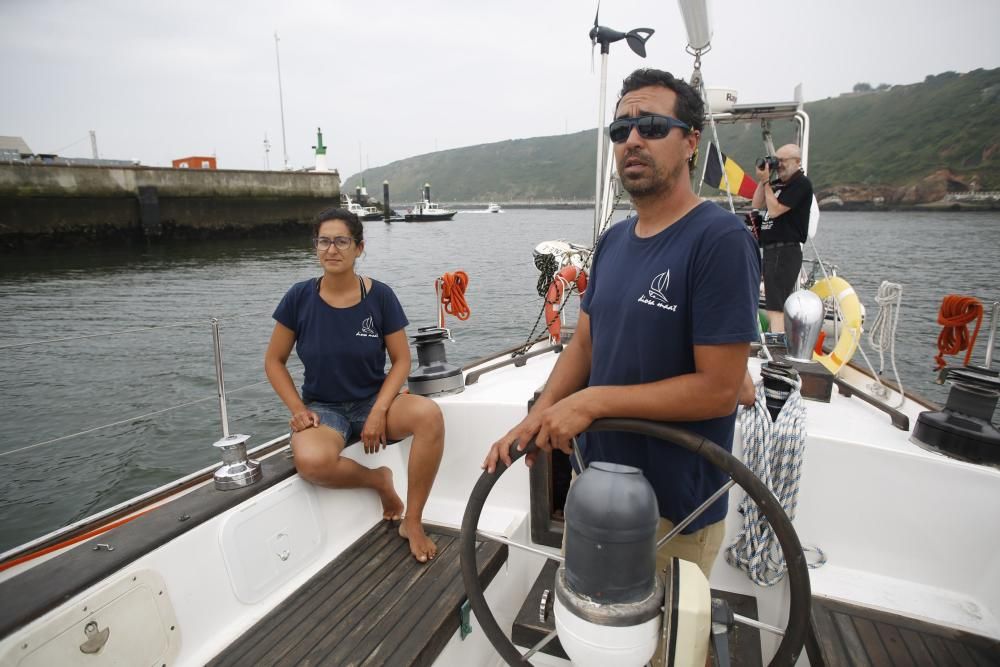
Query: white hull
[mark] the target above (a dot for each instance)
(904, 530)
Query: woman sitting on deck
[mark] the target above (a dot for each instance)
(341, 326)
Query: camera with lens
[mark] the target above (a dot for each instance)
(768, 161)
(772, 163)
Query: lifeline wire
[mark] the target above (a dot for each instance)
(128, 420)
(173, 325)
(548, 276)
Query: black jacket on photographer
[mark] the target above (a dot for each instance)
(793, 224)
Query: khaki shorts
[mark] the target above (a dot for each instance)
(700, 547)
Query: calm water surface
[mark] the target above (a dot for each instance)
(130, 340)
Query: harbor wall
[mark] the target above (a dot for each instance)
(41, 204)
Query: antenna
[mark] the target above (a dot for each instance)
(281, 101)
(93, 144)
(361, 165)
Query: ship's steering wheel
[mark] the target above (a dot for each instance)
(798, 573)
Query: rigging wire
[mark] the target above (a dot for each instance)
(174, 325)
(78, 141)
(547, 276)
(129, 419)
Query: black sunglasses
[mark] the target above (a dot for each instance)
(650, 126)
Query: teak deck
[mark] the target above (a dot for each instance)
(844, 634)
(373, 605)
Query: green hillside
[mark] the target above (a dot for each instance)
(890, 137)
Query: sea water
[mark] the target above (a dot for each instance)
(93, 337)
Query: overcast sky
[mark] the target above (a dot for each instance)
(387, 80)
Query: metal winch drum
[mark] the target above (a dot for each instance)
(434, 375)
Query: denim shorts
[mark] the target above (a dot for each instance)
(345, 417)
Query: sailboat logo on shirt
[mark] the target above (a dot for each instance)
(659, 286)
(658, 291)
(367, 329)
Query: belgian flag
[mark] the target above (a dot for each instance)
(739, 183)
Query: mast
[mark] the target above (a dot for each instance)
(281, 101)
(636, 40)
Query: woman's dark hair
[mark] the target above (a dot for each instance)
(354, 226)
(689, 106)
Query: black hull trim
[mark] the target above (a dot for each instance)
(429, 218)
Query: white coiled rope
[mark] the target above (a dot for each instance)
(882, 334)
(773, 451)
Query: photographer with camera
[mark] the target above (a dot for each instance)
(784, 195)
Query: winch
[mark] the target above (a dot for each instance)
(963, 429)
(434, 375)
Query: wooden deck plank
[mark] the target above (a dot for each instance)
(958, 652)
(937, 649)
(366, 635)
(293, 612)
(372, 596)
(336, 610)
(838, 629)
(287, 627)
(826, 638)
(441, 620)
(869, 636)
(918, 649)
(894, 644)
(853, 648)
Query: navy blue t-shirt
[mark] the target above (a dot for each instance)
(650, 300)
(342, 349)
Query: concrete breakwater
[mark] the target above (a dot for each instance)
(42, 204)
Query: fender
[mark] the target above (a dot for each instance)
(556, 296)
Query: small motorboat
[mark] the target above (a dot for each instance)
(494, 208)
(427, 211)
(363, 212)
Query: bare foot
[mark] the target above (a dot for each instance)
(392, 506)
(421, 546)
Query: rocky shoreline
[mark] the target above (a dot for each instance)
(941, 191)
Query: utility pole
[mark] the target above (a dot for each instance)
(281, 101)
(93, 144)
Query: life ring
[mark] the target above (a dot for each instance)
(556, 294)
(850, 310)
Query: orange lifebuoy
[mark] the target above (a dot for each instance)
(556, 295)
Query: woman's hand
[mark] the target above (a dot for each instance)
(303, 419)
(373, 434)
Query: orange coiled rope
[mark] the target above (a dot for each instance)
(955, 314)
(451, 287)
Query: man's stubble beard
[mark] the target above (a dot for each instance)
(659, 183)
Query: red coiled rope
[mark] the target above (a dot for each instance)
(955, 314)
(451, 287)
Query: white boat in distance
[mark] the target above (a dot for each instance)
(363, 212)
(493, 207)
(903, 567)
(427, 211)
